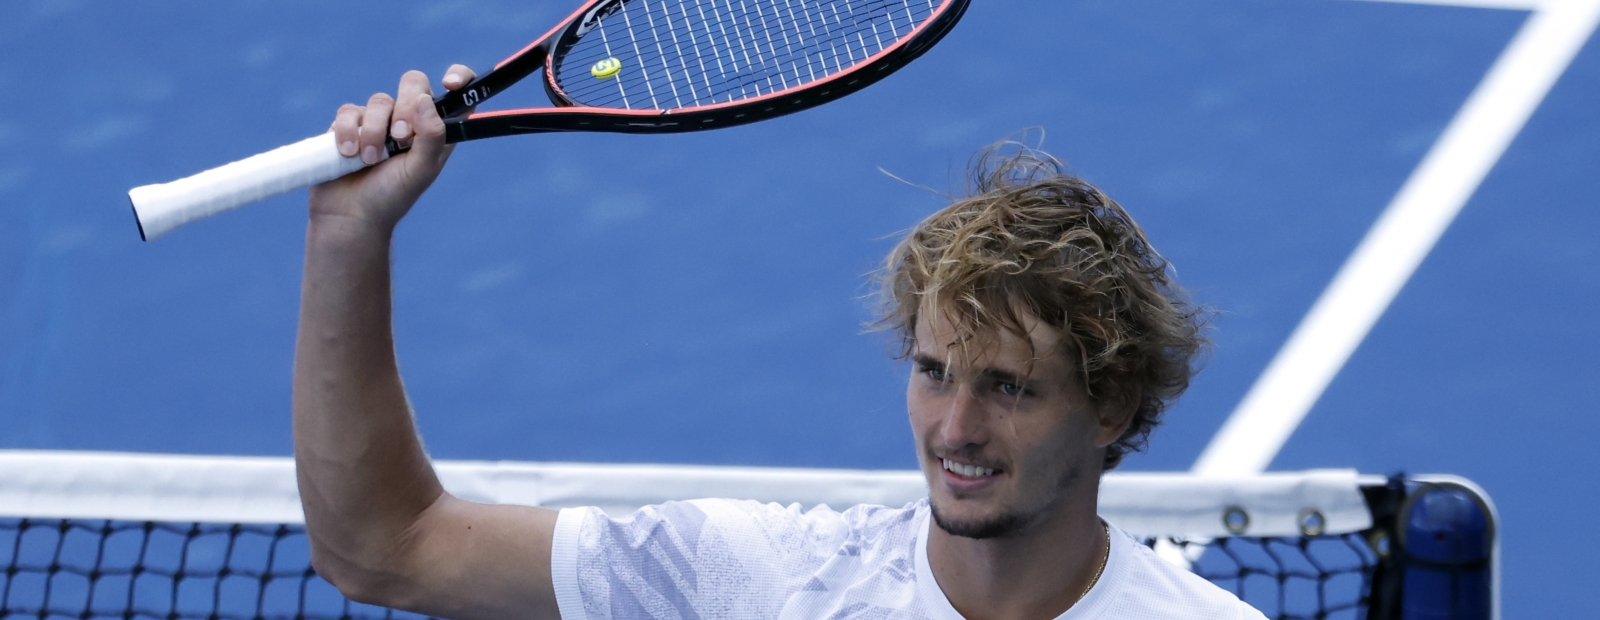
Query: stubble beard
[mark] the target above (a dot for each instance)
(999, 526)
(1011, 520)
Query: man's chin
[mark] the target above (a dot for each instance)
(1000, 525)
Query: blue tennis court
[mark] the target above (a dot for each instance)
(701, 298)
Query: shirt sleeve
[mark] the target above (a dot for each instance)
(703, 559)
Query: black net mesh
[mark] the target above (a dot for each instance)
(1293, 578)
(117, 569)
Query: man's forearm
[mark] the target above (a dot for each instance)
(364, 478)
(382, 528)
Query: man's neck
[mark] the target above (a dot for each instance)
(1037, 573)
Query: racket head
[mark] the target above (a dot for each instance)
(662, 66)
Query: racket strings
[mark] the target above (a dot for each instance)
(685, 53)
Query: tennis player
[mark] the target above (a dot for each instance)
(1045, 336)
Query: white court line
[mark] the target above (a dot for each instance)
(1520, 5)
(1402, 236)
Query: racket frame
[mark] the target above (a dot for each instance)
(569, 115)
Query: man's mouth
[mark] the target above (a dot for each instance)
(967, 471)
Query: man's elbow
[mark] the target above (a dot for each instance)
(363, 581)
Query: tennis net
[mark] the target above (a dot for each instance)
(102, 535)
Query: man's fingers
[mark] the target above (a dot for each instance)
(429, 128)
(413, 85)
(346, 129)
(409, 116)
(457, 76)
(429, 141)
(375, 128)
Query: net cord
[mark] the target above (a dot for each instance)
(231, 489)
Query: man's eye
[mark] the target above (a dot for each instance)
(1010, 389)
(937, 374)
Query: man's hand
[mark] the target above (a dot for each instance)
(382, 194)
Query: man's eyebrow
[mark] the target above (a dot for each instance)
(1003, 376)
(993, 374)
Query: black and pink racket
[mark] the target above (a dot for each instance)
(629, 66)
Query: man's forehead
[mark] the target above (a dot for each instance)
(940, 339)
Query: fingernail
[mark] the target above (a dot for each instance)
(401, 131)
(347, 148)
(369, 155)
(452, 78)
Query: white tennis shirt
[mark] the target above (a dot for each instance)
(714, 559)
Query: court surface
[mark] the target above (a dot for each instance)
(700, 298)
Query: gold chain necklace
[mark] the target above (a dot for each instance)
(1104, 559)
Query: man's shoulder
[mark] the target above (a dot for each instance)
(1151, 587)
(863, 513)
(821, 524)
(731, 559)
(792, 524)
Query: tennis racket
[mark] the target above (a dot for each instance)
(627, 66)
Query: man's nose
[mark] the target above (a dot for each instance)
(965, 423)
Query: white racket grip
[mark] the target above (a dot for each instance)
(163, 207)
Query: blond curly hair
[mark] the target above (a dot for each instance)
(1031, 238)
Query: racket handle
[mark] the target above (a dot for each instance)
(163, 207)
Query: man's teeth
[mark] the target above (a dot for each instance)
(970, 471)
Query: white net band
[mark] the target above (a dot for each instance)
(232, 489)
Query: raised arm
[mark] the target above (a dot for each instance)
(382, 528)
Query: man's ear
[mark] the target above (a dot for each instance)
(1115, 417)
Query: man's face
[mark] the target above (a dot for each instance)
(1004, 430)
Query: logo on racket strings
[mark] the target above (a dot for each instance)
(606, 68)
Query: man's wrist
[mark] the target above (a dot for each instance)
(340, 229)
